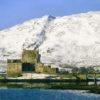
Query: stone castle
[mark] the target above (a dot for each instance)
(29, 63)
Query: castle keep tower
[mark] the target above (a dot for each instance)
(30, 56)
(29, 60)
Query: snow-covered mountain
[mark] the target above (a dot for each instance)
(72, 40)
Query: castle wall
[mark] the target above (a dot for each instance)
(41, 68)
(14, 69)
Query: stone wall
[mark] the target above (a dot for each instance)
(14, 69)
(41, 68)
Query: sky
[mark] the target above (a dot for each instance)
(13, 12)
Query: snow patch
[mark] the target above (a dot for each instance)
(72, 40)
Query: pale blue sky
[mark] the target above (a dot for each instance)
(13, 12)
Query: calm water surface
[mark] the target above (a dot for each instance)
(41, 94)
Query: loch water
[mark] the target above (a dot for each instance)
(42, 94)
(47, 91)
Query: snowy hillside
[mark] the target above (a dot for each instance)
(72, 40)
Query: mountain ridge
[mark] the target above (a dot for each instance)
(72, 40)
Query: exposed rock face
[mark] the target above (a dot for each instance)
(72, 40)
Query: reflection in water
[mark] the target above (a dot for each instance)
(62, 85)
(91, 83)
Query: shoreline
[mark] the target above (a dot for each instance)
(47, 80)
